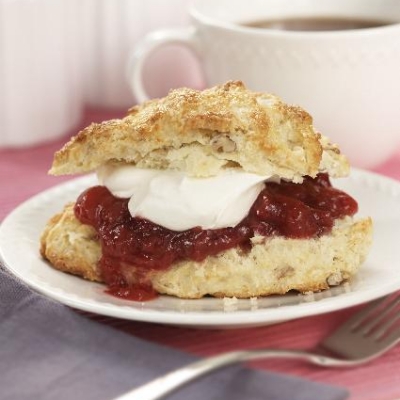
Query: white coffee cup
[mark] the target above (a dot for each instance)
(348, 80)
(41, 94)
(111, 29)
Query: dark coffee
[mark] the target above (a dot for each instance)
(317, 24)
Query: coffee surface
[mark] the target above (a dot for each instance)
(316, 24)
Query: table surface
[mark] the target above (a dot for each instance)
(23, 173)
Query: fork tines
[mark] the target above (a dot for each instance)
(369, 332)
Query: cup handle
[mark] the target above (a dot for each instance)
(153, 41)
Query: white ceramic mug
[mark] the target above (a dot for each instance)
(41, 94)
(349, 80)
(111, 29)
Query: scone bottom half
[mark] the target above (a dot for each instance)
(300, 233)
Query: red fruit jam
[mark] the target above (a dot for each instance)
(132, 247)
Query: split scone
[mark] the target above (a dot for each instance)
(221, 192)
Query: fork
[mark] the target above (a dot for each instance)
(365, 336)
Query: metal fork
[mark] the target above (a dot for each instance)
(365, 336)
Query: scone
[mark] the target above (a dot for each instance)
(221, 192)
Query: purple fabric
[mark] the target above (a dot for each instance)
(48, 351)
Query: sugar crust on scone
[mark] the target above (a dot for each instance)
(274, 265)
(203, 132)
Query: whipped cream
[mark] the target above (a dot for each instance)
(178, 202)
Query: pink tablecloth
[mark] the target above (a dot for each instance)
(23, 174)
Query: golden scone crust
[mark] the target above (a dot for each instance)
(71, 246)
(202, 132)
(273, 265)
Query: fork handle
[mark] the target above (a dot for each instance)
(160, 387)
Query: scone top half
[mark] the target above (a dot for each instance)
(204, 132)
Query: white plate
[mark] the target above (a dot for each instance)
(378, 197)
